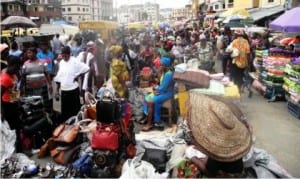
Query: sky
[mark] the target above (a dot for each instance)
(162, 3)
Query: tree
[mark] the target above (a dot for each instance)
(144, 16)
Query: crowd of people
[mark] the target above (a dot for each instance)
(76, 68)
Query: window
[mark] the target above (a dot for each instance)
(83, 9)
(36, 9)
(230, 3)
(70, 18)
(69, 9)
(270, 1)
(78, 8)
(87, 9)
(63, 9)
(216, 6)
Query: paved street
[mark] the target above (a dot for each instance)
(275, 130)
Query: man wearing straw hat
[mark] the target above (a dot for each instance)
(217, 130)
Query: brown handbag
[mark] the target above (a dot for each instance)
(90, 107)
(48, 146)
(68, 133)
(64, 157)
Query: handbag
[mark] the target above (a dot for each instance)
(157, 157)
(65, 156)
(67, 133)
(106, 137)
(90, 107)
(108, 109)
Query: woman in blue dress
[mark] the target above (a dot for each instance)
(161, 93)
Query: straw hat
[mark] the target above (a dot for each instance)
(216, 129)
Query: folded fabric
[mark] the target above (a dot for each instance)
(181, 68)
(195, 78)
(215, 88)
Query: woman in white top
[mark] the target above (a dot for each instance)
(66, 79)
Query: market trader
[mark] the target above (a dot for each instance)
(70, 69)
(162, 93)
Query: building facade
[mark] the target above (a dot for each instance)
(79, 10)
(182, 13)
(76, 10)
(44, 11)
(165, 14)
(215, 5)
(241, 4)
(40, 11)
(138, 12)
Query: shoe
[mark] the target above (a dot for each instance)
(147, 128)
(159, 126)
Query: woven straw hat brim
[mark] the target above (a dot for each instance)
(216, 130)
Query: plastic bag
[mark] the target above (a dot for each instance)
(8, 140)
(133, 169)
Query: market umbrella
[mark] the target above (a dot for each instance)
(241, 12)
(15, 21)
(288, 22)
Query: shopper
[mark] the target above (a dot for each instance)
(35, 79)
(70, 69)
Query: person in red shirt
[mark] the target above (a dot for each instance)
(10, 95)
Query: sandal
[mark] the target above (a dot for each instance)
(147, 128)
(143, 121)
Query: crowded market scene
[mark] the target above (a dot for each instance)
(194, 89)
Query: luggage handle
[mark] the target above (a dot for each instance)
(90, 99)
(74, 119)
(112, 97)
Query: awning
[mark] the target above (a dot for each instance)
(265, 12)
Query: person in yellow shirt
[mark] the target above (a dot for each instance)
(240, 62)
(119, 74)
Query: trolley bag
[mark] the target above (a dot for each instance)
(108, 108)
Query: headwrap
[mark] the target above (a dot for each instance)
(166, 61)
(115, 49)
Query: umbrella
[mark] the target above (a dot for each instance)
(242, 12)
(288, 22)
(18, 21)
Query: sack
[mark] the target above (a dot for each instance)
(64, 157)
(157, 157)
(105, 158)
(108, 109)
(67, 133)
(83, 165)
(106, 137)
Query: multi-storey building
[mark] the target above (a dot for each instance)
(215, 5)
(165, 14)
(42, 11)
(78, 10)
(101, 9)
(182, 13)
(138, 12)
(238, 4)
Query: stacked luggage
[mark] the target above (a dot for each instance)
(35, 121)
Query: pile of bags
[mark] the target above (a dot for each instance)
(97, 141)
